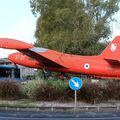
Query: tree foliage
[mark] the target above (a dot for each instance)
(73, 26)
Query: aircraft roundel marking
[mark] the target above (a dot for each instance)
(86, 66)
(113, 47)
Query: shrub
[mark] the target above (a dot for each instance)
(29, 86)
(113, 90)
(92, 93)
(59, 84)
(59, 90)
(9, 89)
(51, 90)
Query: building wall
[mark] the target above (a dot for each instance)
(25, 71)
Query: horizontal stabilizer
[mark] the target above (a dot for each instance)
(103, 77)
(113, 62)
(8, 43)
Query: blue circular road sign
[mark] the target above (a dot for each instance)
(75, 83)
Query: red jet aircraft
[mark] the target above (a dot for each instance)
(105, 65)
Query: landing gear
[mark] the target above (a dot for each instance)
(46, 73)
(15, 65)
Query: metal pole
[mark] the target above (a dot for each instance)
(75, 100)
(12, 73)
(21, 72)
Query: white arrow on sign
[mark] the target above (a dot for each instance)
(76, 84)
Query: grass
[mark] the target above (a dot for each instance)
(24, 103)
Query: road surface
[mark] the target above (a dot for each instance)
(14, 115)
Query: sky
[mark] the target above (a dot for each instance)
(18, 22)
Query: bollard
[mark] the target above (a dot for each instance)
(18, 109)
(117, 108)
(52, 109)
(6, 108)
(98, 109)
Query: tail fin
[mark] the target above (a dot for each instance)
(112, 51)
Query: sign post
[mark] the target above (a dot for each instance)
(75, 84)
(75, 98)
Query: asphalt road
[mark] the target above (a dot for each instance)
(14, 115)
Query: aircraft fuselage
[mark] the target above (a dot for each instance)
(91, 65)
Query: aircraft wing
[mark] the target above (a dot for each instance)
(8, 43)
(35, 53)
(45, 59)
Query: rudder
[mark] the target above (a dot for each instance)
(112, 51)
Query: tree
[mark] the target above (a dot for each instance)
(73, 26)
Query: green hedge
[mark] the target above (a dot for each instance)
(59, 90)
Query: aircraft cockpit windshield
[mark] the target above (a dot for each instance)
(36, 49)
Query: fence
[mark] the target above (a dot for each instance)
(111, 108)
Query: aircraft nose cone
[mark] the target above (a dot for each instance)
(11, 57)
